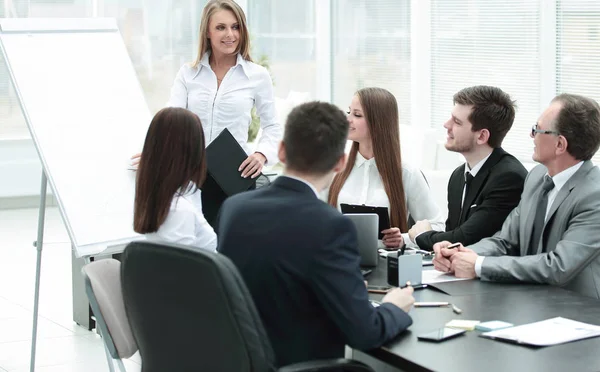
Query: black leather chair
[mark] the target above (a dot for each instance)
(190, 310)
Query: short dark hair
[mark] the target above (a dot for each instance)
(172, 158)
(492, 110)
(315, 137)
(579, 122)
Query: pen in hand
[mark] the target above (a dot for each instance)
(453, 245)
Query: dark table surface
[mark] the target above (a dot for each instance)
(517, 304)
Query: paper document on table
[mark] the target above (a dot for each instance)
(434, 276)
(547, 332)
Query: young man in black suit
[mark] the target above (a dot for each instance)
(299, 256)
(484, 190)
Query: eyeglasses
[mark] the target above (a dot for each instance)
(534, 130)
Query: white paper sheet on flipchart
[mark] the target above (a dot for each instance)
(88, 116)
(547, 332)
(434, 276)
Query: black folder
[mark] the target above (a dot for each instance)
(382, 212)
(223, 158)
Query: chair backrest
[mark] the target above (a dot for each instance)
(103, 288)
(190, 310)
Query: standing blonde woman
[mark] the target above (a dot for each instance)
(223, 84)
(375, 174)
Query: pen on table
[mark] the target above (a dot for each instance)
(456, 309)
(415, 286)
(431, 304)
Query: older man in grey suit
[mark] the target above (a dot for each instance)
(553, 235)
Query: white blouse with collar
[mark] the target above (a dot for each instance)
(364, 186)
(185, 224)
(246, 84)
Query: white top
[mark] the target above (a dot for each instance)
(473, 172)
(185, 224)
(559, 179)
(245, 85)
(364, 186)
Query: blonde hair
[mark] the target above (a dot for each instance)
(211, 8)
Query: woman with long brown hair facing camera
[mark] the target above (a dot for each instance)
(375, 175)
(167, 204)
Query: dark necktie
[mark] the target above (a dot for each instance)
(540, 214)
(468, 179)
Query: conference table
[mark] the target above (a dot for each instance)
(514, 303)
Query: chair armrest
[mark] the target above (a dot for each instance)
(326, 365)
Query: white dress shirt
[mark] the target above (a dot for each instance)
(473, 172)
(364, 186)
(559, 179)
(245, 85)
(185, 223)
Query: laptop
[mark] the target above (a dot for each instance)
(382, 212)
(367, 229)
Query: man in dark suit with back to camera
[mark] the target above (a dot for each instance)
(483, 191)
(553, 235)
(299, 256)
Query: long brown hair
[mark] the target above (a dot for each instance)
(173, 156)
(381, 113)
(204, 43)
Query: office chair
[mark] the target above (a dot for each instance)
(191, 311)
(103, 288)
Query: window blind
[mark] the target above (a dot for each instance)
(371, 48)
(488, 42)
(578, 49)
(284, 33)
(159, 38)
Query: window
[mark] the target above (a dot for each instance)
(284, 32)
(578, 49)
(371, 48)
(160, 37)
(488, 42)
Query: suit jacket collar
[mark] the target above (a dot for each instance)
(479, 180)
(569, 186)
(291, 184)
(560, 198)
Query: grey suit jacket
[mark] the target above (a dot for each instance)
(571, 237)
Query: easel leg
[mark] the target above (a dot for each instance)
(38, 244)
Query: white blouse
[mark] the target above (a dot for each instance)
(364, 186)
(185, 224)
(246, 84)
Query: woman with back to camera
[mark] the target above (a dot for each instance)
(223, 84)
(167, 203)
(375, 174)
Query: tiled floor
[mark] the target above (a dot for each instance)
(61, 344)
